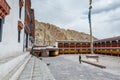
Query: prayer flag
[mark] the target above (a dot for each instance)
(90, 2)
(89, 16)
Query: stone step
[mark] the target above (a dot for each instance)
(9, 68)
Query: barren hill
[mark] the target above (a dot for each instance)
(47, 34)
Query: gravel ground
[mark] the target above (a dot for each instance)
(67, 67)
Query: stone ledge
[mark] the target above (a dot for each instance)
(97, 65)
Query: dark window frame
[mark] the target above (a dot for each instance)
(20, 12)
(1, 29)
(19, 32)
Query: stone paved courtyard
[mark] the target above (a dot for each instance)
(67, 67)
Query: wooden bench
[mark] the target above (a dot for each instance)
(92, 56)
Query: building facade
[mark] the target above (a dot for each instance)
(16, 27)
(108, 46)
(73, 47)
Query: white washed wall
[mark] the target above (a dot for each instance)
(9, 45)
(56, 44)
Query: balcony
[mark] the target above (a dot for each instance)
(21, 3)
(20, 25)
(4, 8)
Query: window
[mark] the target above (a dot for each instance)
(20, 10)
(19, 36)
(3, 20)
(26, 40)
(20, 7)
(1, 25)
(30, 26)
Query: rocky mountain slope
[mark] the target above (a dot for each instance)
(47, 34)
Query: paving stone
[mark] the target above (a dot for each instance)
(39, 72)
(66, 67)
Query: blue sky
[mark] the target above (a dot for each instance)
(73, 14)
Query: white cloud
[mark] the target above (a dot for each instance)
(72, 14)
(105, 6)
